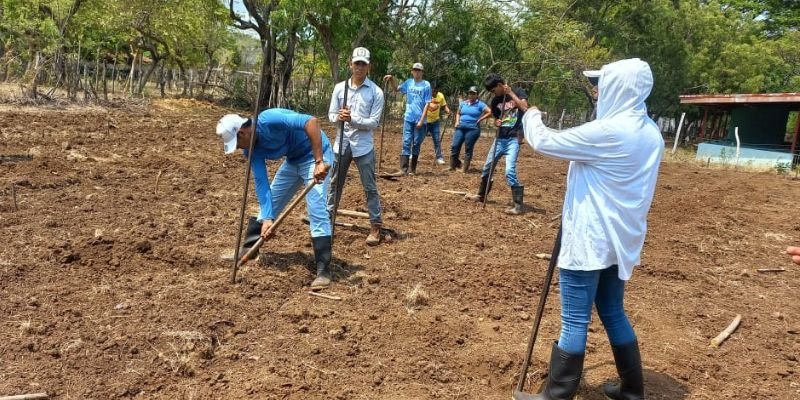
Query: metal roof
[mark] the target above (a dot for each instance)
(730, 99)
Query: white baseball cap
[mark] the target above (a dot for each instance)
(593, 75)
(417, 66)
(227, 128)
(361, 54)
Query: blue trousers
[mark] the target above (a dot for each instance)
(581, 289)
(412, 138)
(433, 129)
(289, 178)
(508, 147)
(467, 136)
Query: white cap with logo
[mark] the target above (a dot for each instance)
(417, 66)
(361, 54)
(227, 128)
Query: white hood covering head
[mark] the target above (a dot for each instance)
(623, 87)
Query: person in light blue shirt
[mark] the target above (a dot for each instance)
(359, 116)
(418, 94)
(297, 137)
(471, 112)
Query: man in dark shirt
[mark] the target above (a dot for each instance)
(508, 106)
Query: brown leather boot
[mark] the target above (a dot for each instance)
(374, 237)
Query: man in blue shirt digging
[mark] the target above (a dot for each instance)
(298, 137)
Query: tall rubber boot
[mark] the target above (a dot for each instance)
(413, 170)
(564, 377)
(322, 259)
(629, 368)
(465, 167)
(403, 171)
(517, 193)
(251, 236)
(482, 190)
(454, 162)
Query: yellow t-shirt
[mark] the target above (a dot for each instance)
(437, 103)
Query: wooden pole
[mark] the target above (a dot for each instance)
(678, 134)
(717, 341)
(32, 396)
(14, 196)
(794, 140)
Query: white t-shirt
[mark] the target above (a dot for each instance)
(614, 163)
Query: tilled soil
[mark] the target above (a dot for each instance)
(111, 284)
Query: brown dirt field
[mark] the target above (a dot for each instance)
(111, 287)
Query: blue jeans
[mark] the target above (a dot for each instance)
(433, 129)
(467, 135)
(366, 171)
(508, 147)
(289, 178)
(412, 138)
(579, 289)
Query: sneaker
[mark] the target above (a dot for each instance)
(440, 161)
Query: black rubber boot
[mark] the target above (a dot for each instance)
(517, 193)
(413, 170)
(465, 167)
(482, 190)
(322, 259)
(562, 382)
(403, 167)
(251, 236)
(629, 368)
(454, 162)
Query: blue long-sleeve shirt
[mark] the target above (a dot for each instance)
(279, 133)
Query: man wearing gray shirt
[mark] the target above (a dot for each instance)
(361, 114)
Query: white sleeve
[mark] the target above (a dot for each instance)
(586, 143)
(333, 108)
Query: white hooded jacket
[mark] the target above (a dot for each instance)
(612, 174)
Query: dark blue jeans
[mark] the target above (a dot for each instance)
(466, 135)
(433, 129)
(581, 289)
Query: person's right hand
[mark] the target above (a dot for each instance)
(455, 125)
(387, 78)
(344, 114)
(795, 253)
(265, 230)
(498, 122)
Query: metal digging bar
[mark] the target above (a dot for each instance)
(246, 185)
(518, 394)
(494, 157)
(337, 169)
(252, 253)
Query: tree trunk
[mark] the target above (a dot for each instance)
(143, 78)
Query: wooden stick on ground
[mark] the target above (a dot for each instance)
(454, 192)
(158, 177)
(717, 341)
(351, 213)
(33, 396)
(770, 270)
(14, 196)
(325, 296)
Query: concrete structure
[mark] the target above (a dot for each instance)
(762, 121)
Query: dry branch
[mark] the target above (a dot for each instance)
(770, 270)
(351, 213)
(543, 256)
(32, 396)
(158, 177)
(325, 296)
(14, 196)
(717, 341)
(454, 192)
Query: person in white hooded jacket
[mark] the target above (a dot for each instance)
(614, 163)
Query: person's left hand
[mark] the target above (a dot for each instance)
(320, 172)
(507, 90)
